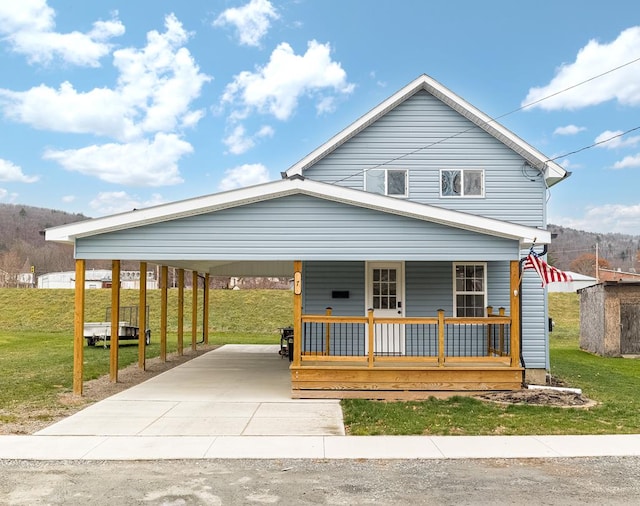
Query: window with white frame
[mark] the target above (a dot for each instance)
(392, 182)
(470, 289)
(462, 183)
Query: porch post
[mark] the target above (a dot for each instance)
(78, 328)
(115, 321)
(297, 312)
(441, 357)
(205, 314)
(180, 311)
(164, 284)
(327, 337)
(194, 310)
(142, 317)
(370, 337)
(515, 313)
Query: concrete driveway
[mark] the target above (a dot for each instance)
(235, 390)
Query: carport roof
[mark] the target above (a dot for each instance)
(68, 234)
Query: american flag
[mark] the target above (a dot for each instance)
(547, 273)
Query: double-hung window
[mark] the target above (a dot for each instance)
(470, 289)
(462, 183)
(392, 182)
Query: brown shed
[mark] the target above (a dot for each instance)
(610, 319)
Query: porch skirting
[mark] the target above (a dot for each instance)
(399, 382)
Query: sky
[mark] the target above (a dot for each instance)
(113, 105)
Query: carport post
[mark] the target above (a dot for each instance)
(142, 317)
(194, 310)
(180, 311)
(164, 282)
(115, 321)
(78, 327)
(205, 311)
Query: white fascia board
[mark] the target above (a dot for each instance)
(216, 202)
(163, 212)
(552, 172)
(488, 226)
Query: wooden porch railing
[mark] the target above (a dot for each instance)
(433, 341)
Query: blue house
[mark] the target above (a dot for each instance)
(403, 234)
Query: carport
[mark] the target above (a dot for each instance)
(243, 232)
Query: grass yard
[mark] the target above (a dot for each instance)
(613, 382)
(36, 349)
(36, 337)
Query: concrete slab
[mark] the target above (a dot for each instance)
(231, 391)
(381, 447)
(150, 448)
(47, 448)
(261, 447)
(593, 446)
(498, 447)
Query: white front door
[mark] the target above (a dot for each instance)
(385, 294)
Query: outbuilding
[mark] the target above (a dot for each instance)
(610, 319)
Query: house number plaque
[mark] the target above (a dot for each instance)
(297, 283)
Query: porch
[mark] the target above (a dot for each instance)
(406, 357)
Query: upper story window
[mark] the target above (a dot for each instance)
(392, 182)
(462, 183)
(470, 289)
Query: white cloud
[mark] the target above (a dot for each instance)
(614, 218)
(252, 21)
(119, 202)
(276, 88)
(239, 142)
(244, 175)
(12, 172)
(68, 198)
(628, 162)
(5, 196)
(143, 163)
(616, 140)
(569, 130)
(28, 26)
(155, 88)
(594, 59)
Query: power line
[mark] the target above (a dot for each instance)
(595, 144)
(496, 118)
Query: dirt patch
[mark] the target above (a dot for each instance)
(540, 397)
(27, 420)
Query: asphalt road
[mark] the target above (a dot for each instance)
(602, 481)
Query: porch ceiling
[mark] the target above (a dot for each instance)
(231, 268)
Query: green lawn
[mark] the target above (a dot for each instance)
(613, 382)
(36, 337)
(36, 349)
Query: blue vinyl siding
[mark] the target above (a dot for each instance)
(423, 135)
(321, 279)
(296, 228)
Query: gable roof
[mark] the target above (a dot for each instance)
(552, 172)
(297, 186)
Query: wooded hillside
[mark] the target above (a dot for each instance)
(22, 245)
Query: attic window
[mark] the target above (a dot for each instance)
(462, 183)
(392, 182)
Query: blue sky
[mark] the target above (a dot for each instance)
(108, 106)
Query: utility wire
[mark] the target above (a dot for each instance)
(595, 144)
(496, 118)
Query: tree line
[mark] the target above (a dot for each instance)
(23, 247)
